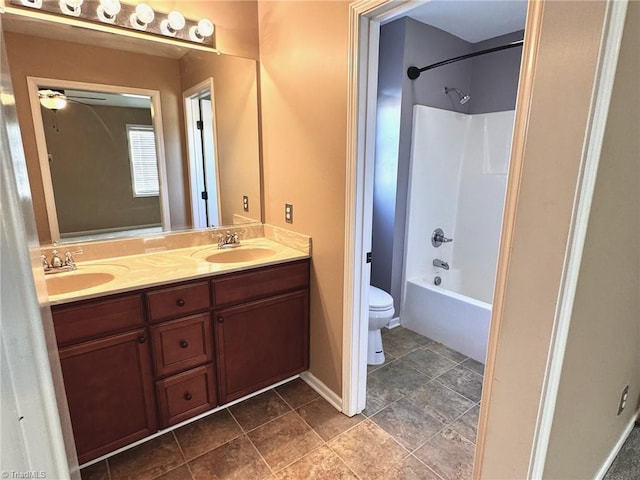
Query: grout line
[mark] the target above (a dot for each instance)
(184, 457)
(302, 404)
(427, 466)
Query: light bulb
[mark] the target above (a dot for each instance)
(175, 21)
(32, 3)
(143, 16)
(108, 9)
(70, 7)
(52, 100)
(204, 29)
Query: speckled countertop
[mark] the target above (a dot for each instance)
(117, 274)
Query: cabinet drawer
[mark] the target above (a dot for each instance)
(260, 283)
(86, 320)
(178, 301)
(182, 344)
(185, 395)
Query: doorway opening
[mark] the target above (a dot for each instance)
(202, 153)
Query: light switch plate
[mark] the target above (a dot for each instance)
(288, 212)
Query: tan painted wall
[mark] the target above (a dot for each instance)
(303, 52)
(91, 169)
(236, 22)
(236, 102)
(39, 57)
(603, 351)
(540, 209)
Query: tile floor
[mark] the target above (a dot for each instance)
(419, 424)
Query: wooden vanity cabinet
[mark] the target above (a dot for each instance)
(138, 362)
(108, 380)
(182, 341)
(262, 327)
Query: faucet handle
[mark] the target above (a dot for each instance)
(56, 261)
(68, 259)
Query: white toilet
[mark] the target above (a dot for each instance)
(380, 313)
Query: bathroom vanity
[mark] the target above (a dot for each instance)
(141, 360)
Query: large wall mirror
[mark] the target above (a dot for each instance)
(189, 114)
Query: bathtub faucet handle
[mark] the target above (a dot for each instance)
(438, 238)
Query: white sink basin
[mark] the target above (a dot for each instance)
(240, 255)
(86, 276)
(60, 283)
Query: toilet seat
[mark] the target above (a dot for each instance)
(379, 300)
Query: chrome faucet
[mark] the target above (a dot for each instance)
(57, 265)
(229, 240)
(440, 263)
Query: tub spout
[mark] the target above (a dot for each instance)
(440, 263)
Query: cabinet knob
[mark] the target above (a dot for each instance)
(142, 339)
(220, 319)
(180, 302)
(187, 396)
(184, 344)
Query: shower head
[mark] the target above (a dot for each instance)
(463, 97)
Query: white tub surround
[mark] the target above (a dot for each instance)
(458, 177)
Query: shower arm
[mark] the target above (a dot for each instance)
(414, 72)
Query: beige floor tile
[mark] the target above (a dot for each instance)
(439, 401)
(284, 440)
(408, 424)
(389, 383)
(449, 454)
(399, 341)
(147, 461)
(368, 450)
(259, 410)
(321, 464)
(180, 473)
(467, 424)
(326, 420)
(463, 381)
(410, 469)
(207, 433)
(428, 362)
(97, 471)
(297, 393)
(236, 460)
(446, 352)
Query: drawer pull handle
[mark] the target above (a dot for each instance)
(180, 302)
(187, 396)
(141, 339)
(184, 344)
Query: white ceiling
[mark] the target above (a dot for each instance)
(107, 99)
(473, 20)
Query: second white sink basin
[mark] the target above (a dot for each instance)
(241, 255)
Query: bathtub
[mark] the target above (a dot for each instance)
(440, 313)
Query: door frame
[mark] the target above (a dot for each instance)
(365, 19)
(187, 97)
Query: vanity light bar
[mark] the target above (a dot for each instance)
(140, 17)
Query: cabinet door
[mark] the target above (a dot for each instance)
(109, 389)
(260, 343)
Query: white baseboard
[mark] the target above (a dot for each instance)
(325, 392)
(393, 323)
(616, 449)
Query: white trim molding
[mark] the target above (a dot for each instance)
(322, 390)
